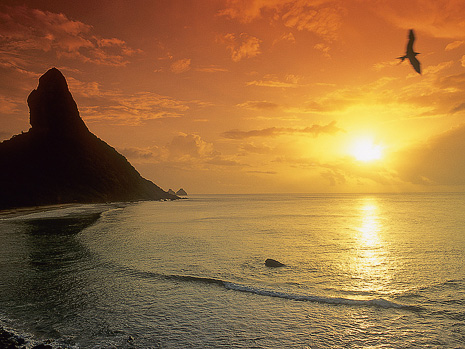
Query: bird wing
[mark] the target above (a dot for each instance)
(411, 39)
(415, 64)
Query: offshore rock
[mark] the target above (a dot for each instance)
(181, 192)
(60, 161)
(272, 263)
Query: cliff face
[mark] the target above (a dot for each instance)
(60, 161)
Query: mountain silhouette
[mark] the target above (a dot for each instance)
(60, 161)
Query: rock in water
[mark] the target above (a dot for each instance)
(181, 192)
(60, 161)
(273, 263)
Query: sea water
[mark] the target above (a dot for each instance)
(380, 271)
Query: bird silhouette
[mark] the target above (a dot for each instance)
(410, 54)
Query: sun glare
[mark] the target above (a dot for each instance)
(365, 150)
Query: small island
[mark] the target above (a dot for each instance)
(181, 192)
(60, 161)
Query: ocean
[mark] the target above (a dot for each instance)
(361, 271)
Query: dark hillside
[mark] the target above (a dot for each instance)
(60, 161)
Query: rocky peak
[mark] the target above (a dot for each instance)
(52, 107)
(60, 161)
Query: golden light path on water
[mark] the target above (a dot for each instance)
(371, 264)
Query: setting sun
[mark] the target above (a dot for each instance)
(365, 150)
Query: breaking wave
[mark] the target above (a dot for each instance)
(376, 302)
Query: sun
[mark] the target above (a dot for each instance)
(365, 150)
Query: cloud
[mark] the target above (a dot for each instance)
(458, 108)
(263, 172)
(452, 81)
(11, 60)
(434, 95)
(218, 161)
(211, 69)
(259, 105)
(348, 170)
(342, 171)
(385, 64)
(334, 177)
(289, 37)
(324, 48)
(270, 83)
(23, 29)
(138, 153)
(242, 46)
(434, 69)
(321, 17)
(183, 151)
(248, 10)
(119, 107)
(250, 148)
(136, 108)
(271, 80)
(297, 162)
(454, 45)
(9, 105)
(438, 161)
(181, 66)
(439, 18)
(454, 89)
(183, 147)
(191, 145)
(314, 130)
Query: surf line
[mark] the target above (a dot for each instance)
(376, 302)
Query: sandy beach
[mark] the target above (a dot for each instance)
(20, 211)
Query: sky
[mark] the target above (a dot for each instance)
(253, 96)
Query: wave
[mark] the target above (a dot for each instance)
(454, 285)
(376, 302)
(188, 278)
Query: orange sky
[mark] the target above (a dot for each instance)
(253, 96)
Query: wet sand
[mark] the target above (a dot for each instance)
(20, 211)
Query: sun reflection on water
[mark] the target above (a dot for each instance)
(370, 227)
(370, 264)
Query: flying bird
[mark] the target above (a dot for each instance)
(410, 54)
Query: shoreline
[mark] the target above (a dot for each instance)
(20, 211)
(11, 340)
